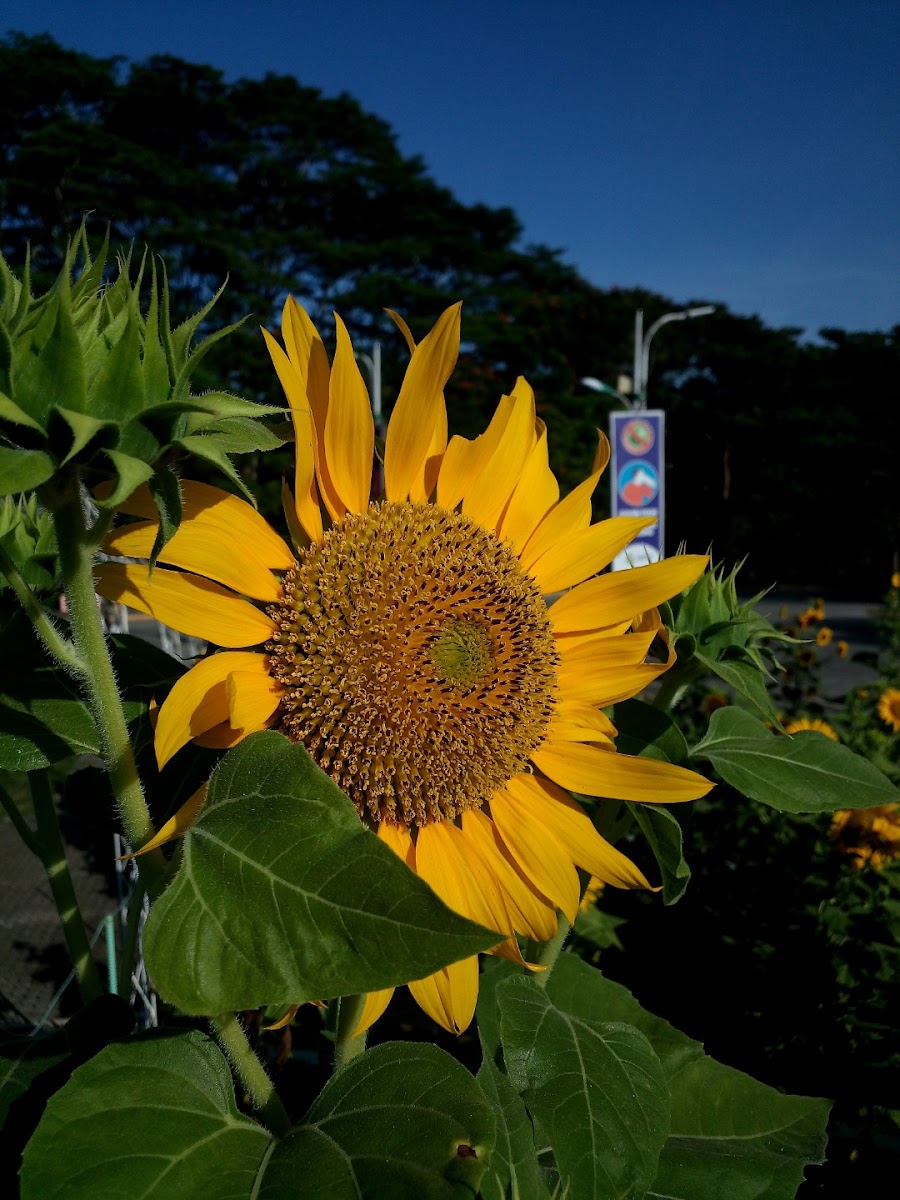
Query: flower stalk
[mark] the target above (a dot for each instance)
(76, 563)
(547, 953)
(250, 1071)
(52, 637)
(346, 1045)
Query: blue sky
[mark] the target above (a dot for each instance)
(741, 151)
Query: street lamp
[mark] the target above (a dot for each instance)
(597, 385)
(642, 344)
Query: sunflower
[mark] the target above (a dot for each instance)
(816, 724)
(824, 636)
(871, 836)
(843, 648)
(889, 708)
(405, 641)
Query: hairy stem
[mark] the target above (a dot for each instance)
(76, 561)
(548, 952)
(251, 1073)
(45, 627)
(346, 1046)
(52, 852)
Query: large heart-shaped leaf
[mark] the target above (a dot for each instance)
(156, 1118)
(595, 1085)
(805, 773)
(283, 893)
(730, 1135)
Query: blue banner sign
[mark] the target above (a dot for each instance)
(637, 480)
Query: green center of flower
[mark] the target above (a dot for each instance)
(462, 653)
(418, 661)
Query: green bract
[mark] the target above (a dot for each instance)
(713, 632)
(91, 379)
(26, 534)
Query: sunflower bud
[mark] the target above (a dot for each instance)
(26, 534)
(92, 381)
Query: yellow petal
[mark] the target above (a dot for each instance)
(221, 736)
(555, 809)
(571, 515)
(213, 507)
(486, 499)
(599, 671)
(399, 840)
(252, 698)
(177, 825)
(465, 461)
(292, 1011)
(532, 913)
(601, 454)
(535, 494)
(449, 996)
(620, 595)
(416, 414)
(442, 861)
(375, 1004)
(403, 327)
(537, 851)
(307, 352)
(582, 555)
(188, 603)
(580, 723)
(198, 702)
(595, 772)
(306, 495)
(349, 427)
(225, 554)
(422, 487)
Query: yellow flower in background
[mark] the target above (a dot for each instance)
(812, 723)
(592, 893)
(889, 708)
(824, 636)
(805, 657)
(895, 580)
(406, 643)
(870, 836)
(711, 701)
(842, 647)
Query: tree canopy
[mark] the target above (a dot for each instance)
(779, 449)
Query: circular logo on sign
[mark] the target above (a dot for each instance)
(638, 484)
(638, 436)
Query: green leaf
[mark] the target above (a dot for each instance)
(21, 470)
(663, 832)
(596, 1086)
(806, 772)
(648, 731)
(514, 1169)
(166, 494)
(131, 473)
(598, 927)
(747, 679)
(83, 429)
(117, 391)
(283, 893)
(205, 448)
(22, 1060)
(153, 1118)
(410, 1122)
(53, 369)
(730, 1135)
(238, 435)
(43, 718)
(17, 416)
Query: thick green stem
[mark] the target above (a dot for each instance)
(76, 561)
(53, 855)
(548, 952)
(251, 1073)
(58, 645)
(676, 683)
(346, 1046)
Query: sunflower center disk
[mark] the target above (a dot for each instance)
(417, 659)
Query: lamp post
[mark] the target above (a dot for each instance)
(597, 385)
(372, 363)
(642, 344)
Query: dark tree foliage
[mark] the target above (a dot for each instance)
(780, 450)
